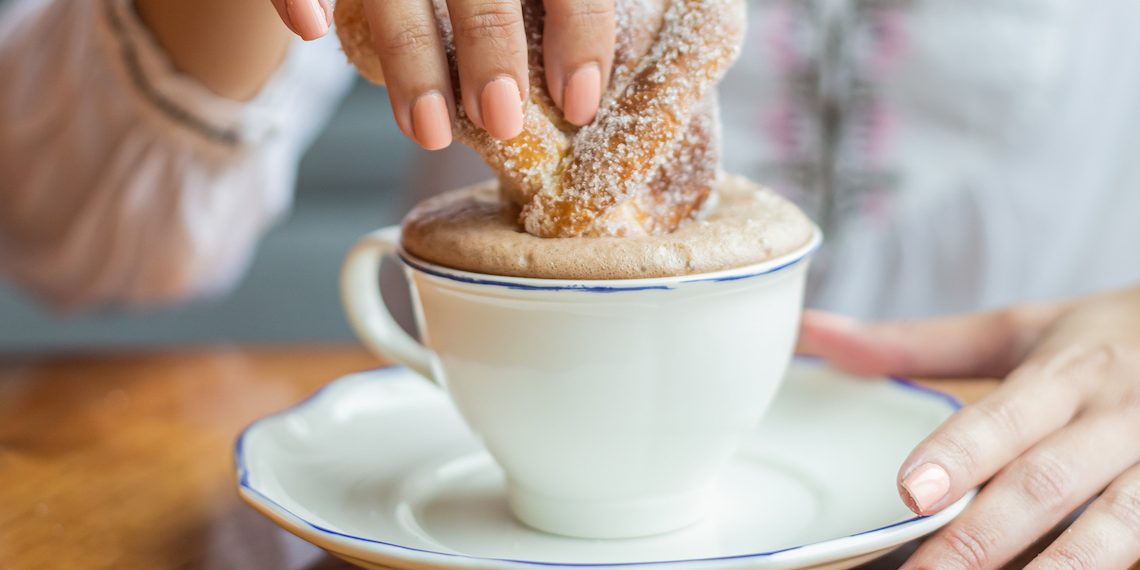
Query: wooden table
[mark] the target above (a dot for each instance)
(123, 460)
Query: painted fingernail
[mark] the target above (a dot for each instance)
(431, 123)
(582, 94)
(926, 485)
(501, 107)
(308, 18)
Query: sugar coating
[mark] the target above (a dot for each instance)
(472, 230)
(649, 160)
(641, 122)
(532, 159)
(356, 39)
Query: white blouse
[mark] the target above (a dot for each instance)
(125, 182)
(961, 154)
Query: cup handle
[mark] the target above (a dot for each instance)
(365, 308)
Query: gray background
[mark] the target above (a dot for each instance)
(359, 175)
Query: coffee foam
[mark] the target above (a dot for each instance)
(471, 229)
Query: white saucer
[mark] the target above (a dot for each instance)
(378, 469)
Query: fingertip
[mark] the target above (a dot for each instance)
(924, 487)
(582, 94)
(839, 340)
(492, 54)
(406, 37)
(871, 349)
(809, 330)
(431, 121)
(307, 18)
(827, 320)
(328, 11)
(579, 45)
(501, 108)
(283, 13)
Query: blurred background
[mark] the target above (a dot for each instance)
(356, 177)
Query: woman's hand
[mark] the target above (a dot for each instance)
(492, 53)
(1062, 427)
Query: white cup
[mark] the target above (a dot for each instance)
(610, 405)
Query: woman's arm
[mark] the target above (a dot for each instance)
(231, 46)
(131, 171)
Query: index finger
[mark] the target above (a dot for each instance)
(977, 345)
(578, 45)
(1040, 397)
(491, 51)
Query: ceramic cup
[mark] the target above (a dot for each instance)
(610, 405)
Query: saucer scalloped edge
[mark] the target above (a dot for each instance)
(379, 469)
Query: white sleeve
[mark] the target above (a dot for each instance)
(123, 182)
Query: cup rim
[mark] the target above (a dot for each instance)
(770, 266)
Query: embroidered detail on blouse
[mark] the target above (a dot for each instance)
(830, 127)
(130, 58)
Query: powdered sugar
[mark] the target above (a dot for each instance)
(643, 149)
(649, 160)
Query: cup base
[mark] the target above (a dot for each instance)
(624, 518)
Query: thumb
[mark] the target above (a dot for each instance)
(986, 344)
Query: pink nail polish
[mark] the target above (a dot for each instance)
(308, 18)
(431, 123)
(582, 94)
(926, 485)
(501, 107)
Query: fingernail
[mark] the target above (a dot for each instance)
(926, 485)
(431, 123)
(308, 18)
(582, 94)
(501, 107)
